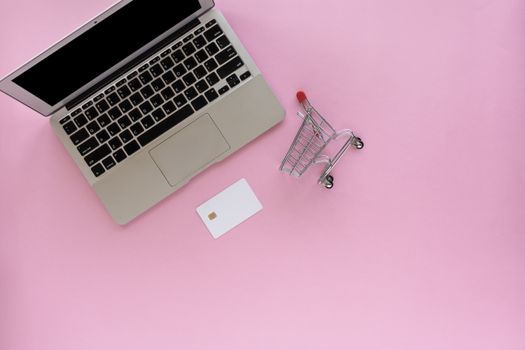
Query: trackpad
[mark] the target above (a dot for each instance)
(190, 150)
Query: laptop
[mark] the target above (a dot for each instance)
(146, 96)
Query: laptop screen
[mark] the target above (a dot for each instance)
(102, 47)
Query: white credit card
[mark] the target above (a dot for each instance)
(229, 208)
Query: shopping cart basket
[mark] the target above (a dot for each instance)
(311, 140)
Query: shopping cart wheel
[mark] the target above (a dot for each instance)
(358, 143)
(329, 182)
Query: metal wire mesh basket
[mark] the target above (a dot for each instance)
(311, 140)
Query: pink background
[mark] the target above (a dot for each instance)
(420, 245)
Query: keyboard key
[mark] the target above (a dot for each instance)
(114, 113)
(124, 92)
(135, 114)
(102, 136)
(213, 33)
(98, 98)
(97, 155)
(147, 92)
(190, 63)
(156, 100)
(124, 122)
(98, 170)
(115, 143)
(79, 136)
(143, 68)
(102, 106)
(76, 112)
(179, 70)
(224, 89)
(245, 75)
(88, 145)
(81, 120)
(147, 122)
(211, 95)
(178, 56)
(131, 147)
(180, 100)
(136, 129)
(121, 82)
(136, 98)
(113, 129)
(135, 84)
(87, 105)
(210, 23)
(188, 38)
(225, 55)
(109, 163)
(69, 127)
(167, 63)
(65, 120)
(201, 86)
(103, 120)
(132, 75)
(199, 103)
(210, 65)
(233, 80)
(156, 70)
(169, 107)
(199, 42)
(165, 125)
(212, 79)
(223, 42)
(189, 79)
(113, 99)
(200, 72)
(190, 93)
(158, 114)
(168, 77)
(201, 56)
(126, 136)
(212, 49)
(188, 49)
(145, 78)
(93, 127)
(165, 53)
(178, 86)
(125, 106)
(146, 107)
(158, 84)
(230, 67)
(167, 93)
(109, 90)
(119, 155)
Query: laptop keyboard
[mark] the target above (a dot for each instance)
(152, 99)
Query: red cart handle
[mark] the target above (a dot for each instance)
(301, 96)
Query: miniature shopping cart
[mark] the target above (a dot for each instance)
(310, 142)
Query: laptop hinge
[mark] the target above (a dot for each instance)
(77, 100)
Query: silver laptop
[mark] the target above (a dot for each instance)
(147, 95)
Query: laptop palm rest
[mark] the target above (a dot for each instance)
(190, 150)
